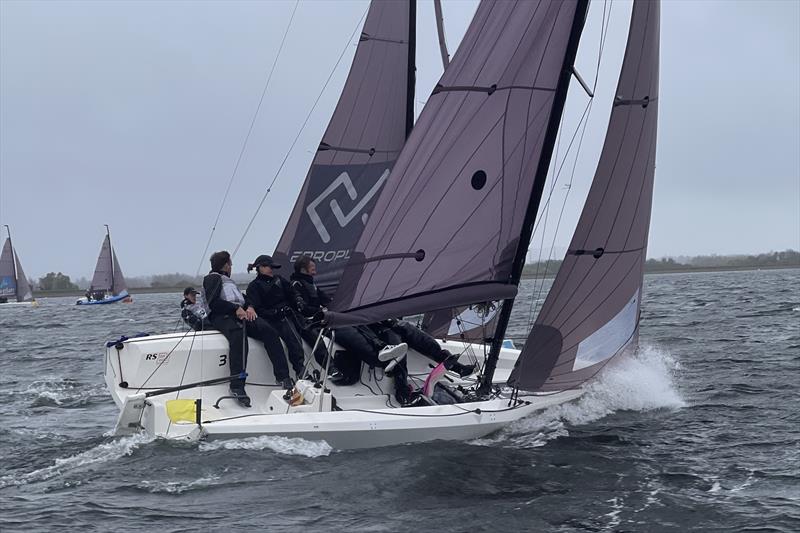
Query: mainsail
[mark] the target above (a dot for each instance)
(13, 282)
(8, 277)
(592, 310)
(107, 273)
(456, 203)
(360, 146)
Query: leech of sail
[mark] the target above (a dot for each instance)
(592, 310)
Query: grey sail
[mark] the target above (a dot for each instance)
(453, 209)
(8, 277)
(471, 323)
(592, 310)
(13, 283)
(103, 271)
(24, 292)
(119, 280)
(359, 148)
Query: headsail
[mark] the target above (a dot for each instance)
(592, 310)
(360, 146)
(119, 284)
(24, 292)
(8, 277)
(452, 210)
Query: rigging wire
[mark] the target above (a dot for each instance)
(297, 137)
(246, 139)
(584, 121)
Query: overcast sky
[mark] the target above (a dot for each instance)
(133, 114)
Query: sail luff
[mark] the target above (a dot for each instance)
(592, 310)
(411, 75)
(110, 258)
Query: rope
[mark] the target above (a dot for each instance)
(302, 128)
(246, 139)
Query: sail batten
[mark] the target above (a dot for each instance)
(591, 313)
(360, 146)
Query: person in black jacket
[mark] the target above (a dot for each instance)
(361, 344)
(275, 301)
(311, 300)
(229, 312)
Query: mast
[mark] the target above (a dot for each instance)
(411, 80)
(110, 256)
(518, 265)
(13, 262)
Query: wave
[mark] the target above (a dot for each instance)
(177, 487)
(644, 381)
(102, 453)
(64, 392)
(283, 445)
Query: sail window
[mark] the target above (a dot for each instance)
(610, 338)
(478, 180)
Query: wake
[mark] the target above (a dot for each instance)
(644, 381)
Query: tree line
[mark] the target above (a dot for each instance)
(57, 281)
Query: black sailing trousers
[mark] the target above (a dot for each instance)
(232, 330)
(264, 331)
(293, 345)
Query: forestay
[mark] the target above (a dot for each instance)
(359, 148)
(453, 208)
(592, 310)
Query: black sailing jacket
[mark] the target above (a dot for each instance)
(270, 295)
(312, 297)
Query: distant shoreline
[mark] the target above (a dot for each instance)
(688, 269)
(179, 290)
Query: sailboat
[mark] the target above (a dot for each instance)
(441, 223)
(108, 283)
(13, 283)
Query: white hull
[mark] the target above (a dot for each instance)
(366, 414)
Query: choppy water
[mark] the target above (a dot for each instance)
(700, 431)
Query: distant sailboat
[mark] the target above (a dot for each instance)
(108, 283)
(13, 283)
(443, 225)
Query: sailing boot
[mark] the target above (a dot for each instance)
(394, 353)
(241, 396)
